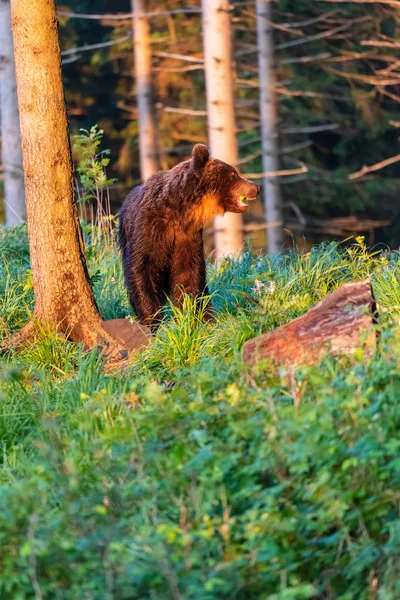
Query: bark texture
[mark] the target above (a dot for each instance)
(148, 142)
(340, 323)
(11, 156)
(269, 123)
(220, 110)
(63, 294)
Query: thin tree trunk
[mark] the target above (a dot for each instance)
(63, 294)
(269, 123)
(148, 144)
(220, 110)
(14, 193)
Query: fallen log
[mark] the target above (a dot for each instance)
(340, 323)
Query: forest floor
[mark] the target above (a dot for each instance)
(230, 483)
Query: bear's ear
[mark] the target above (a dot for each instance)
(200, 155)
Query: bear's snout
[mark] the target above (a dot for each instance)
(246, 192)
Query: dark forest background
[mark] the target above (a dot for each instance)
(338, 101)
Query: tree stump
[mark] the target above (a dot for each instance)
(128, 333)
(340, 323)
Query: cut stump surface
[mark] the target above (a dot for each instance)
(340, 323)
(128, 333)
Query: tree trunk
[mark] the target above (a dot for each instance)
(220, 110)
(63, 294)
(340, 323)
(14, 194)
(148, 143)
(269, 123)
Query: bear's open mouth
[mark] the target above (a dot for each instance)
(243, 200)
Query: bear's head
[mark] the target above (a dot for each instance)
(223, 186)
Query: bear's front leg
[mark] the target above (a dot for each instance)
(149, 313)
(188, 271)
(147, 292)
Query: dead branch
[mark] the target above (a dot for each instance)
(297, 211)
(179, 57)
(123, 16)
(281, 173)
(318, 19)
(296, 147)
(306, 59)
(368, 79)
(127, 107)
(245, 52)
(389, 69)
(311, 128)
(375, 167)
(247, 83)
(380, 43)
(296, 93)
(244, 102)
(249, 158)
(179, 69)
(394, 3)
(87, 47)
(185, 111)
(248, 142)
(316, 36)
(277, 26)
(389, 94)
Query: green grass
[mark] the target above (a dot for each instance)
(188, 477)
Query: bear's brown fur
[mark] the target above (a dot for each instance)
(161, 225)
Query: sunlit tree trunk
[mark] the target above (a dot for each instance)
(63, 294)
(220, 108)
(11, 157)
(269, 124)
(148, 144)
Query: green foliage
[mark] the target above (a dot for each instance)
(49, 351)
(16, 288)
(92, 166)
(188, 477)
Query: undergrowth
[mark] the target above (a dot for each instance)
(187, 476)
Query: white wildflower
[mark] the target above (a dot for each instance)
(259, 286)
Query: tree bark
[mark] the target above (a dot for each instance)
(63, 294)
(269, 124)
(148, 139)
(340, 323)
(14, 193)
(220, 110)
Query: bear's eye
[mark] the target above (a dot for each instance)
(233, 174)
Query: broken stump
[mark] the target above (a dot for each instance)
(339, 324)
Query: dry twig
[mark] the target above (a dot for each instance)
(375, 167)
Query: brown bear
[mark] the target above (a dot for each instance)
(161, 224)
